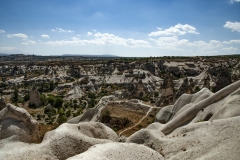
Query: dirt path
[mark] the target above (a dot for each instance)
(150, 109)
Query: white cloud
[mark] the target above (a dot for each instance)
(175, 44)
(178, 29)
(234, 26)
(2, 31)
(230, 49)
(137, 43)
(89, 33)
(29, 42)
(45, 36)
(62, 30)
(233, 1)
(98, 34)
(102, 39)
(166, 44)
(235, 41)
(170, 43)
(19, 35)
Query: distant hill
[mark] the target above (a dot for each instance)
(85, 55)
(66, 55)
(4, 54)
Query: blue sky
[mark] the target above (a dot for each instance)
(132, 28)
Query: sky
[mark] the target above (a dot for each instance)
(128, 28)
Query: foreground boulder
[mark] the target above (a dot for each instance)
(17, 124)
(118, 151)
(64, 142)
(218, 139)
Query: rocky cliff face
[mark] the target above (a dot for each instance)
(167, 92)
(186, 87)
(222, 77)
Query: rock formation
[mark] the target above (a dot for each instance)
(166, 93)
(218, 139)
(34, 97)
(66, 141)
(118, 151)
(185, 87)
(200, 122)
(18, 124)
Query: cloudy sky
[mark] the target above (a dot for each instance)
(132, 28)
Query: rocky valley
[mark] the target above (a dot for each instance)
(77, 107)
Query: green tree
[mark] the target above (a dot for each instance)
(51, 100)
(58, 102)
(68, 113)
(15, 94)
(91, 95)
(43, 99)
(61, 111)
(62, 119)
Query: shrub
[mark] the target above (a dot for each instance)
(68, 113)
(61, 112)
(91, 95)
(126, 121)
(79, 111)
(15, 95)
(74, 101)
(26, 97)
(43, 99)
(106, 118)
(91, 103)
(51, 100)
(58, 102)
(62, 119)
(66, 105)
(38, 117)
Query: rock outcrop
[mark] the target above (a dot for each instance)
(166, 93)
(17, 124)
(185, 87)
(218, 139)
(66, 141)
(118, 151)
(199, 123)
(34, 97)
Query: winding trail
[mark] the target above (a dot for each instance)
(150, 109)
